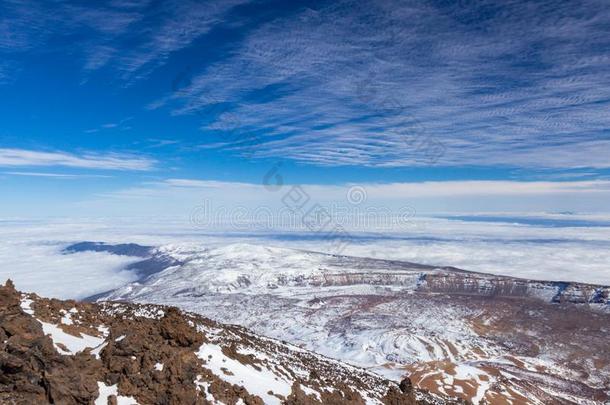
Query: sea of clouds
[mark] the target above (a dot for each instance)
(31, 250)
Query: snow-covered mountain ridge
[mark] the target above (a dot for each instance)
(482, 337)
(253, 268)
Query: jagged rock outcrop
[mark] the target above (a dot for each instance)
(31, 370)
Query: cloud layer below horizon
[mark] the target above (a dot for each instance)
(31, 250)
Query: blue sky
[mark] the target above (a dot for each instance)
(104, 103)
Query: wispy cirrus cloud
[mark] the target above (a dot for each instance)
(122, 125)
(27, 25)
(131, 37)
(179, 25)
(513, 83)
(5, 72)
(56, 175)
(383, 84)
(108, 161)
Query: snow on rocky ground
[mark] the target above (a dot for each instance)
(258, 381)
(65, 343)
(112, 390)
(144, 354)
(478, 336)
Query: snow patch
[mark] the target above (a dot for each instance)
(73, 344)
(311, 391)
(204, 387)
(26, 306)
(108, 390)
(254, 381)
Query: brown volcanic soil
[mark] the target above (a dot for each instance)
(573, 336)
(138, 337)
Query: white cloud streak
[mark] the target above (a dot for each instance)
(115, 161)
(56, 175)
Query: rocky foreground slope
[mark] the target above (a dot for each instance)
(67, 352)
(484, 338)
